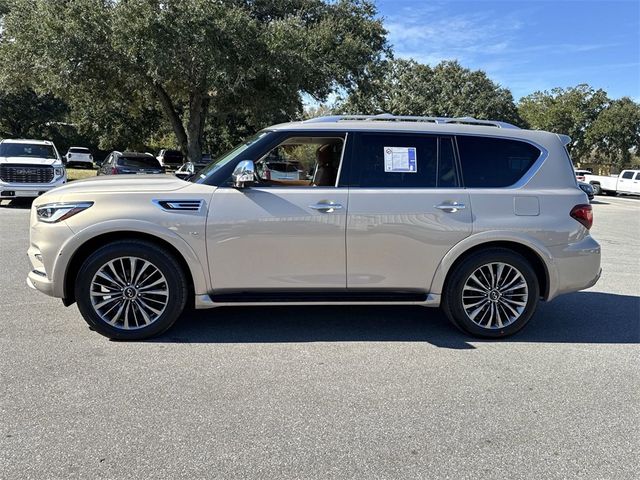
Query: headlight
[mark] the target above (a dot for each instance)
(56, 212)
(58, 171)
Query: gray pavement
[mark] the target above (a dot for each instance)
(356, 392)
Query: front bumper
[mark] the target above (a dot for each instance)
(39, 281)
(28, 190)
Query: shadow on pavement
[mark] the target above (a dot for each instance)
(584, 317)
(24, 203)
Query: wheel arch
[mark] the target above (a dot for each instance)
(540, 261)
(97, 241)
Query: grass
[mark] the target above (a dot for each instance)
(80, 173)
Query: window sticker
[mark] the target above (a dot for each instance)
(400, 160)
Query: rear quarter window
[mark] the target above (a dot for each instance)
(494, 162)
(138, 162)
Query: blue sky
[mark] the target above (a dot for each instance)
(525, 45)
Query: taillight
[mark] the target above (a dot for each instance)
(266, 174)
(583, 214)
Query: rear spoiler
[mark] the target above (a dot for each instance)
(565, 139)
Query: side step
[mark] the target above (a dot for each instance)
(298, 296)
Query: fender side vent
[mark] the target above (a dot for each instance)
(179, 205)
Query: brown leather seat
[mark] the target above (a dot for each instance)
(326, 171)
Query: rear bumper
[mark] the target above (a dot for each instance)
(577, 266)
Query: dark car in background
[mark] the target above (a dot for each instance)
(127, 163)
(170, 158)
(587, 188)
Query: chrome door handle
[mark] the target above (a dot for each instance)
(326, 207)
(451, 207)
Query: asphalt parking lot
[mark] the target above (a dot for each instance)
(326, 392)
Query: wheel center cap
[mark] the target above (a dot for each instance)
(494, 295)
(130, 293)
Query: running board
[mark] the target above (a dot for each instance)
(324, 297)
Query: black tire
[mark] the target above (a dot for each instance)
(174, 281)
(452, 303)
(596, 189)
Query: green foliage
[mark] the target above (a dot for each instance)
(405, 87)
(25, 114)
(615, 133)
(242, 64)
(568, 111)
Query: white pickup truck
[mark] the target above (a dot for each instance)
(627, 182)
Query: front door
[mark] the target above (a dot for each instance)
(287, 232)
(406, 210)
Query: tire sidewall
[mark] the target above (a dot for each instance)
(161, 259)
(453, 295)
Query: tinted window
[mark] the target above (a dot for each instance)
(26, 150)
(494, 162)
(638, 176)
(139, 162)
(628, 175)
(379, 160)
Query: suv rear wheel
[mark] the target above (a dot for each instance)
(131, 290)
(492, 293)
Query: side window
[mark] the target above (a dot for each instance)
(301, 162)
(494, 162)
(638, 176)
(395, 160)
(627, 175)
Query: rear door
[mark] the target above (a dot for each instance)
(625, 182)
(406, 210)
(635, 188)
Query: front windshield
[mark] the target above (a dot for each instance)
(27, 150)
(231, 155)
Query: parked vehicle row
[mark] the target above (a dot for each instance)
(478, 217)
(123, 163)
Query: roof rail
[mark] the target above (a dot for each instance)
(407, 118)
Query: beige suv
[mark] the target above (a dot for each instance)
(478, 217)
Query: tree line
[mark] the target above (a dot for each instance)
(201, 75)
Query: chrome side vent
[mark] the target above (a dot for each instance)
(179, 205)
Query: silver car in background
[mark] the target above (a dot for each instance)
(480, 218)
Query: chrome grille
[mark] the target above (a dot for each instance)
(26, 173)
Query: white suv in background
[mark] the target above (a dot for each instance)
(478, 217)
(29, 168)
(79, 156)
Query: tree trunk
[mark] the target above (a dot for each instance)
(198, 105)
(174, 118)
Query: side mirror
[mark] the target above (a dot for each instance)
(245, 172)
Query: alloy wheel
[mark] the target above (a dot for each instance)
(495, 295)
(129, 293)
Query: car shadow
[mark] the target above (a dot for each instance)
(23, 203)
(584, 317)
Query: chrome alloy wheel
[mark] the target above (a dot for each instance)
(495, 295)
(129, 293)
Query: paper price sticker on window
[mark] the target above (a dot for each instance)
(400, 160)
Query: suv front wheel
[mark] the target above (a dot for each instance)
(130, 290)
(492, 293)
